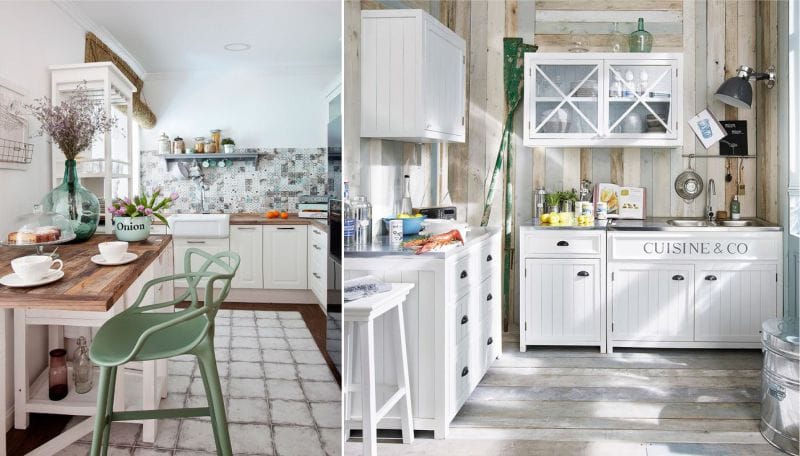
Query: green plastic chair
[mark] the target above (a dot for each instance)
(137, 334)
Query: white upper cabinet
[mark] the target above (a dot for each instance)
(413, 77)
(603, 99)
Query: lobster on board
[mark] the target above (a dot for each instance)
(426, 244)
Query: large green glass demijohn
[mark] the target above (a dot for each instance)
(72, 200)
(640, 40)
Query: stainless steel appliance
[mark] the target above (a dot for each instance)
(439, 212)
(780, 402)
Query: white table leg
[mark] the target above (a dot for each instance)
(150, 399)
(402, 377)
(369, 413)
(20, 370)
(55, 337)
(3, 382)
(163, 372)
(347, 375)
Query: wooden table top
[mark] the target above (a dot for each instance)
(85, 285)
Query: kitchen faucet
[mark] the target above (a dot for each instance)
(712, 190)
(196, 174)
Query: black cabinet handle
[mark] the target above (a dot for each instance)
(285, 227)
(489, 297)
(465, 371)
(562, 244)
(463, 274)
(677, 277)
(711, 277)
(488, 258)
(489, 342)
(464, 320)
(583, 274)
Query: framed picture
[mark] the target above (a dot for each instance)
(735, 143)
(707, 128)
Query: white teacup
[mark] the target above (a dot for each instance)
(113, 252)
(34, 267)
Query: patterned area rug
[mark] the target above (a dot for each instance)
(280, 396)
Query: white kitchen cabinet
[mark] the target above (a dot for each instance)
(692, 289)
(210, 245)
(733, 300)
(453, 326)
(246, 240)
(562, 280)
(318, 265)
(285, 256)
(413, 77)
(652, 302)
(563, 302)
(572, 99)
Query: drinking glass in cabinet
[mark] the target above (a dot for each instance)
(640, 98)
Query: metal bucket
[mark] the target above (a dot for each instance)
(780, 402)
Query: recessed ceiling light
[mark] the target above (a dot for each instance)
(236, 47)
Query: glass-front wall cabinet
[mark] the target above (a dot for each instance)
(598, 99)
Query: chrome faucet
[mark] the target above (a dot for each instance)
(196, 174)
(712, 190)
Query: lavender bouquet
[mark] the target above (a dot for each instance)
(73, 124)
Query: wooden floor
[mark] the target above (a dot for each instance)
(44, 427)
(638, 402)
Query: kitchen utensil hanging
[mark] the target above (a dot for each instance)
(689, 184)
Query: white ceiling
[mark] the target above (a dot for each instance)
(181, 36)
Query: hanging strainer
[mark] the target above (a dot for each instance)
(689, 184)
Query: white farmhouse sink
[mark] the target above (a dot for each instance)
(200, 225)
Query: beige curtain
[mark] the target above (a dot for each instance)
(97, 51)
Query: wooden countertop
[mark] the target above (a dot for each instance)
(85, 285)
(257, 218)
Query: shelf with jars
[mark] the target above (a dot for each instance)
(603, 99)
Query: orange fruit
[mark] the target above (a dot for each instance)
(284, 215)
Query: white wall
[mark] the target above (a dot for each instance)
(34, 35)
(277, 108)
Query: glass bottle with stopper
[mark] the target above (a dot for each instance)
(82, 368)
(405, 203)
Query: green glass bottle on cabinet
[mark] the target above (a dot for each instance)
(640, 40)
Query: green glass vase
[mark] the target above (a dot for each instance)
(640, 40)
(72, 200)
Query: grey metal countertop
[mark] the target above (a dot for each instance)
(381, 247)
(662, 224)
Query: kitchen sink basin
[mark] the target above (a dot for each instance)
(200, 225)
(736, 223)
(690, 222)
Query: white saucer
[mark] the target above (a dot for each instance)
(15, 281)
(127, 258)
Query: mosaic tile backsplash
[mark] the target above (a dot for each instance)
(276, 180)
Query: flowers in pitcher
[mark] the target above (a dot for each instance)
(143, 205)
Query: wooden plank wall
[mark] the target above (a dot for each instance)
(715, 36)
(766, 111)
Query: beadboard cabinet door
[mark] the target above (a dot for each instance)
(246, 241)
(732, 300)
(563, 301)
(652, 302)
(413, 77)
(285, 257)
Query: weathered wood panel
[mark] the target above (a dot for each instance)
(766, 105)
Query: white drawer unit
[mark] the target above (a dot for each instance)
(449, 322)
(318, 264)
(562, 285)
(413, 77)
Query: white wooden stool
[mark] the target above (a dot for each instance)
(360, 315)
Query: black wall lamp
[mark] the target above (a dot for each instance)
(736, 91)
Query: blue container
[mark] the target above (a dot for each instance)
(411, 226)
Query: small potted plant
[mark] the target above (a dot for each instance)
(132, 217)
(227, 145)
(552, 201)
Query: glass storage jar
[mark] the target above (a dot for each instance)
(57, 375)
(82, 368)
(216, 137)
(199, 144)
